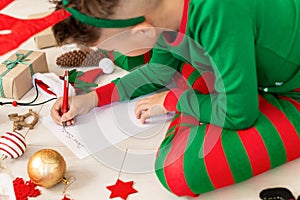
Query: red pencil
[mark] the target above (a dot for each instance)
(65, 106)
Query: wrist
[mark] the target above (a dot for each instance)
(93, 97)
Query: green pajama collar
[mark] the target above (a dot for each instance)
(102, 23)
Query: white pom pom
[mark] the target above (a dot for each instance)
(107, 65)
(12, 144)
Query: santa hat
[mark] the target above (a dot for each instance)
(51, 85)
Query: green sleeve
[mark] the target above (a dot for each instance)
(227, 32)
(150, 77)
(128, 63)
(125, 62)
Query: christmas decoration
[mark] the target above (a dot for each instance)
(80, 58)
(121, 189)
(107, 65)
(66, 197)
(278, 193)
(50, 85)
(20, 30)
(16, 72)
(67, 183)
(84, 81)
(23, 189)
(19, 120)
(12, 145)
(46, 168)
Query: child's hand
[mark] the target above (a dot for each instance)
(78, 105)
(150, 106)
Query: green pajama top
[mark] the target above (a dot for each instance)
(129, 63)
(250, 45)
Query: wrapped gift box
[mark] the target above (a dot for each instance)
(44, 39)
(17, 70)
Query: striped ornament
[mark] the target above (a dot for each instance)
(12, 144)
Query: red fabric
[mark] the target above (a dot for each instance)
(121, 189)
(171, 99)
(174, 171)
(4, 3)
(107, 94)
(254, 146)
(186, 119)
(205, 83)
(187, 70)
(147, 57)
(216, 162)
(88, 77)
(23, 29)
(284, 127)
(293, 101)
(111, 55)
(91, 75)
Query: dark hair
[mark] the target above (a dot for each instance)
(71, 30)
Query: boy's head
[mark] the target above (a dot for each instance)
(117, 25)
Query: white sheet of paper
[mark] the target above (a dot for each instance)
(68, 136)
(105, 126)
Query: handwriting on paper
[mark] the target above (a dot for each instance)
(68, 136)
(73, 138)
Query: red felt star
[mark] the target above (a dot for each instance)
(23, 189)
(121, 189)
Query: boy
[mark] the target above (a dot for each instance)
(240, 115)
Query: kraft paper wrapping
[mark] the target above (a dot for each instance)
(18, 80)
(44, 39)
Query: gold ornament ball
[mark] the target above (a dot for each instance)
(46, 168)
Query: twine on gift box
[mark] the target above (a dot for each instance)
(10, 64)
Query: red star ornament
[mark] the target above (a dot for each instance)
(121, 189)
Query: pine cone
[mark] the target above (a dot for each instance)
(79, 58)
(93, 58)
